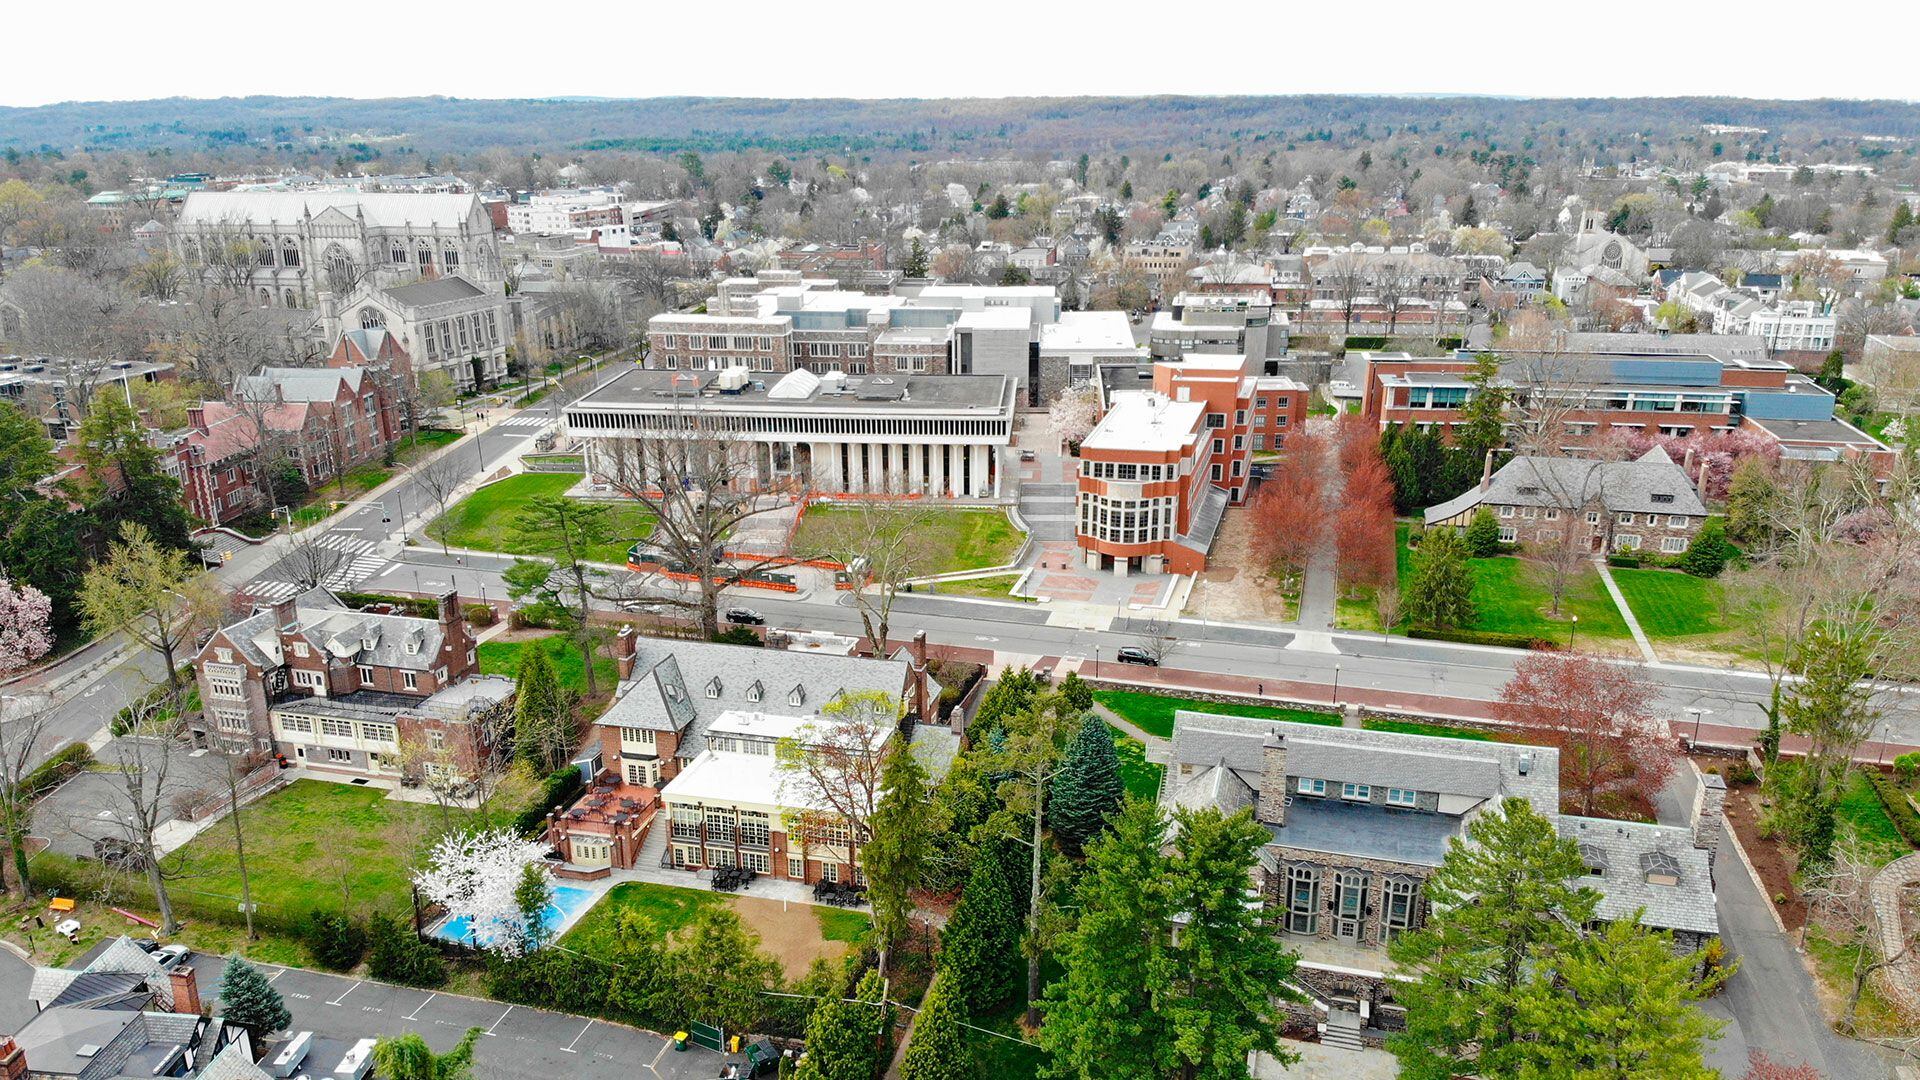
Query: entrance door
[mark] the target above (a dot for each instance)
(1349, 906)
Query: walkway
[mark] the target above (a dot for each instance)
(1890, 887)
(1133, 731)
(1626, 612)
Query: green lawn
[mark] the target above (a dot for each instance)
(997, 587)
(840, 924)
(1861, 809)
(957, 539)
(485, 520)
(1414, 727)
(304, 840)
(1671, 604)
(503, 658)
(1141, 776)
(668, 906)
(1153, 713)
(1510, 600)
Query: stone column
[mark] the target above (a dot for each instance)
(1709, 815)
(1273, 779)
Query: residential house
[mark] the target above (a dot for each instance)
(1358, 820)
(1647, 503)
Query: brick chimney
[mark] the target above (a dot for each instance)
(197, 417)
(284, 615)
(1273, 779)
(186, 989)
(1486, 472)
(13, 1060)
(449, 607)
(624, 652)
(920, 675)
(1709, 815)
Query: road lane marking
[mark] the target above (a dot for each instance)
(496, 1023)
(344, 993)
(422, 1005)
(569, 1048)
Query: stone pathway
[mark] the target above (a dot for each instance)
(1133, 730)
(1889, 889)
(1620, 601)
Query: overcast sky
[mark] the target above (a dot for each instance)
(116, 50)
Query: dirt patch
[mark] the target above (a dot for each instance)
(789, 932)
(1770, 859)
(1230, 589)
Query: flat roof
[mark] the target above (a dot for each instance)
(1339, 827)
(656, 387)
(1086, 330)
(1834, 431)
(1145, 420)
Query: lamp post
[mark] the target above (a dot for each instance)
(1696, 713)
(1336, 684)
(1572, 628)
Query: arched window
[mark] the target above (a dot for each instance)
(266, 297)
(289, 254)
(263, 252)
(371, 318)
(397, 252)
(450, 257)
(288, 297)
(423, 253)
(190, 251)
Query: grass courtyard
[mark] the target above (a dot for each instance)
(1509, 599)
(995, 587)
(1153, 713)
(487, 519)
(954, 539)
(1670, 604)
(503, 658)
(785, 930)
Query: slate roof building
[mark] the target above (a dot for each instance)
(1359, 819)
(1649, 502)
(452, 323)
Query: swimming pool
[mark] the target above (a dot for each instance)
(567, 904)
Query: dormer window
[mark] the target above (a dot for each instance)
(413, 646)
(1660, 868)
(1594, 859)
(300, 649)
(713, 687)
(673, 691)
(797, 696)
(756, 691)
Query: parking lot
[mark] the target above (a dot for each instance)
(520, 1043)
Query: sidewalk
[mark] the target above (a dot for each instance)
(1620, 602)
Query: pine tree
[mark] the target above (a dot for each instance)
(915, 265)
(980, 958)
(721, 971)
(540, 713)
(1501, 907)
(1088, 788)
(1075, 692)
(1441, 594)
(249, 1000)
(1012, 693)
(846, 1039)
(937, 1048)
(1620, 1004)
(1483, 534)
(1902, 221)
(128, 478)
(895, 857)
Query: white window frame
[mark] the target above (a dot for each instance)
(1357, 792)
(1402, 797)
(1307, 785)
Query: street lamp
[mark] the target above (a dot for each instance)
(1572, 628)
(1696, 713)
(1336, 684)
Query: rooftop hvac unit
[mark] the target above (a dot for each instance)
(732, 380)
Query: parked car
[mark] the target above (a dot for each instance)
(171, 956)
(740, 616)
(1134, 654)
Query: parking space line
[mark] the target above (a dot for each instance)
(276, 974)
(496, 1023)
(344, 993)
(422, 1005)
(569, 1048)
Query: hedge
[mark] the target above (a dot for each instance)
(422, 607)
(556, 791)
(50, 773)
(1898, 808)
(1483, 637)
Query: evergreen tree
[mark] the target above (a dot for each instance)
(1751, 497)
(1012, 693)
(895, 857)
(1075, 692)
(1441, 593)
(639, 980)
(1706, 556)
(721, 972)
(916, 262)
(1104, 1015)
(1126, 189)
(846, 1040)
(1483, 534)
(999, 209)
(1088, 788)
(249, 1000)
(128, 480)
(542, 721)
(1500, 909)
(980, 959)
(1902, 221)
(1483, 418)
(396, 954)
(1620, 1006)
(937, 1048)
(40, 544)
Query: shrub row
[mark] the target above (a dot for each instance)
(1484, 637)
(556, 791)
(49, 774)
(1898, 807)
(420, 606)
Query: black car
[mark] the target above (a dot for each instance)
(1134, 654)
(740, 616)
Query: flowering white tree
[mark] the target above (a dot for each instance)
(26, 625)
(1074, 413)
(482, 877)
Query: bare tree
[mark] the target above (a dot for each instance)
(1344, 278)
(440, 478)
(144, 794)
(883, 545)
(1391, 283)
(24, 736)
(309, 562)
(1841, 899)
(1154, 637)
(830, 770)
(703, 485)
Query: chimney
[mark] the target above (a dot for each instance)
(284, 616)
(1486, 472)
(1686, 466)
(920, 675)
(449, 608)
(624, 652)
(1709, 818)
(13, 1060)
(197, 417)
(186, 990)
(1273, 779)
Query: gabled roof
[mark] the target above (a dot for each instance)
(442, 290)
(1627, 850)
(292, 384)
(1651, 483)
(379, 209)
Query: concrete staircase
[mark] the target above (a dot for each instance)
(654, 847)
(1342, 1030)
(1206, 520)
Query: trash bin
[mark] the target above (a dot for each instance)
(679, 1040)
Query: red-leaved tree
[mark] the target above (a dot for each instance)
(1762, 1067)
(1363, 525)
(1289, 515)
(1600, 717)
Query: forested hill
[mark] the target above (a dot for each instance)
(437, 125)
